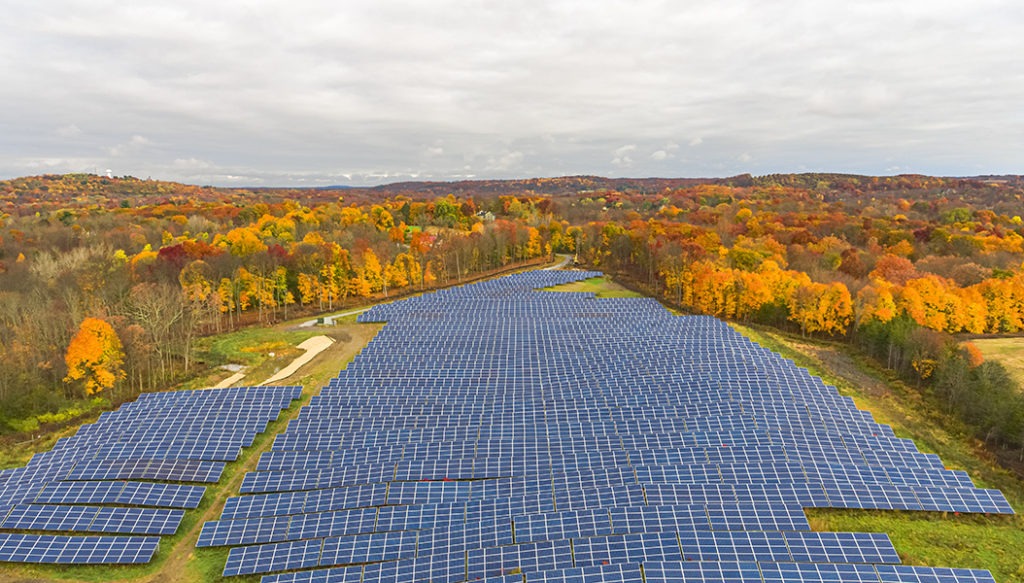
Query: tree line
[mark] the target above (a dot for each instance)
(109, 299)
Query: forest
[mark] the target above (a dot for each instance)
(108, 282)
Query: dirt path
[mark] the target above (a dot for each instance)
(313, 346)
(329, 320)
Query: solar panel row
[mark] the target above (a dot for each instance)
(76, 550)
(527, 527)
(417, 570)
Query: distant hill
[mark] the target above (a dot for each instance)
(558, 186)
(54, 191)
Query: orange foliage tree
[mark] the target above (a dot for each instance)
(95, 356)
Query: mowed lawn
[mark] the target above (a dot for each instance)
(603, 287)
(1008, 351)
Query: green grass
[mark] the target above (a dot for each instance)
(602, 287)
(250, 346)
(1007, 351)
(995, 543)
(931, 539)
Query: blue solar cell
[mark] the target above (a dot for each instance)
(818, 572)
(267, 529)
(273, 557)
(630, 548)
(620, 573)
(905, 574)
(438, 568)
(708, 572)
(524, 558)
(367, 548)
(338, 575)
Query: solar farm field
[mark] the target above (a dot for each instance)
(496, 433)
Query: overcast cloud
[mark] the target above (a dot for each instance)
(323, 92)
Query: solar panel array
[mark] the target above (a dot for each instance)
(111, 477)
(492, 432)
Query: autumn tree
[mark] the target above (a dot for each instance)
(95, 356)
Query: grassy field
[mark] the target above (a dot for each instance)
(995, 543)
(1007, 351)
(602, 287)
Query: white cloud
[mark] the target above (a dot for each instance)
(191, 164)
(134, 145)
(68, 132)
(621, 155)
(506, 161)
(659, 155)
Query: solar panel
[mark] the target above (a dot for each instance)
(368, 548)
(905, 574)
(620, 573)
(524, 558)
(339, 575)
(715, 572)
(438, 568)
(76, 550)
(273, 557)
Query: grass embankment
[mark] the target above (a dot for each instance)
(178, 559)
(995, 543)
(602, 287)
(1007, 351)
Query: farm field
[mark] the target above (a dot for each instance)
(1008, 351)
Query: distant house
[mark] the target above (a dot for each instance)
(487, 216)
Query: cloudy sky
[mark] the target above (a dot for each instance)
(314, 92)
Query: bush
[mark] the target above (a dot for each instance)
(983, 395)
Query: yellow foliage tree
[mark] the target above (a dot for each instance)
(95, 355)
(820, 307)
(373, 274)
(875, 302)
(244, 242)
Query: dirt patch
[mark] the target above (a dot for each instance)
(843, 366)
